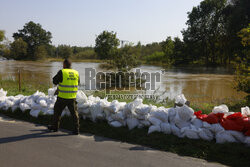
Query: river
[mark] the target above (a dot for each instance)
(197, 84)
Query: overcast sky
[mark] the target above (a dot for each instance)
(77, 22)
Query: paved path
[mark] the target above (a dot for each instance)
(25, 144)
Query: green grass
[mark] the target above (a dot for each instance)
(228, 154)
(12, 87)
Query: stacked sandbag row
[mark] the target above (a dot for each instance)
(179, 120)
(36, 103)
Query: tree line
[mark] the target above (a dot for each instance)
(212, 37)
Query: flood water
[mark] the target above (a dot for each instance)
(197, 84)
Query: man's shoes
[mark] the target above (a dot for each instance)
(52, 128)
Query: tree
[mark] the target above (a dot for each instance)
(64, 51)
(1, 38)
(205, 29)
(18, 49)
(34, 35)
(41, 52)
(86, 54)
(126, 58)
(168, 49)
(106, 45)
(179, 54)
(242, 77)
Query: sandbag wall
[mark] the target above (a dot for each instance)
(180, 121)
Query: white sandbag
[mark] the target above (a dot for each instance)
(142, 109)
(206, 125)
(84, 111)
(205, 134)
(216, 128)
(245, 111)
(180, 99)
(81, 97)
(220, 109)
(165, 128)
(14, 108)
(140, 126)
(154, 120)
(141, 116)
(224, 137)
(185, 113)
(190, 132)
(49, 112)
(83, 105)
(239, 136)
(154, 128)
(247, 141)
(65, 112)
(118, 116)
(34, 113)
(175, 130)
(115, 106)
(197, 123)
(96, 111)
(36, 106)
(160, 114)
(3, 93)
(109, 119)
(50, 106)
(124, 122)
(106, 113)
(7, 104)
(24, 106)
(51, 91)
(11, 98)
(132, 123)
(43, 103)
(130, 107)
(180, 123)
(116, 124)
(145, 123)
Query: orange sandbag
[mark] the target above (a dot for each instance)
(235, 116)
(213, 118)
(229, 124)
(247, 133)
(199, 115)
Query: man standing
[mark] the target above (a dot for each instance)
(67, 80)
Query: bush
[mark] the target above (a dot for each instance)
(155, 57)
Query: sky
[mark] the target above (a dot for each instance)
(78, 22)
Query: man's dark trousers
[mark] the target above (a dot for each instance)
(60, 104)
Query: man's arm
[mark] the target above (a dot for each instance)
(58, 78)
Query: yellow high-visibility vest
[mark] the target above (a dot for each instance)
(67, 89)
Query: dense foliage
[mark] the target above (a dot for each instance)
(36, 39)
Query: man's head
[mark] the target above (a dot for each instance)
(66, 63)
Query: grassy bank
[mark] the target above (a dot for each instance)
(28, 88)
(228, 154)
(12, 87)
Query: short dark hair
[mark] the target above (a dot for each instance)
(67, 63)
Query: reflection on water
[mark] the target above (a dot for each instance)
(199, 85)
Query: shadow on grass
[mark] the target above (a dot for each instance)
(231, 154)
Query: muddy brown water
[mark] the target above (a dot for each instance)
(197, 84)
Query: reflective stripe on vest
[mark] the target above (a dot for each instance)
(67, 89)
(69, 86)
